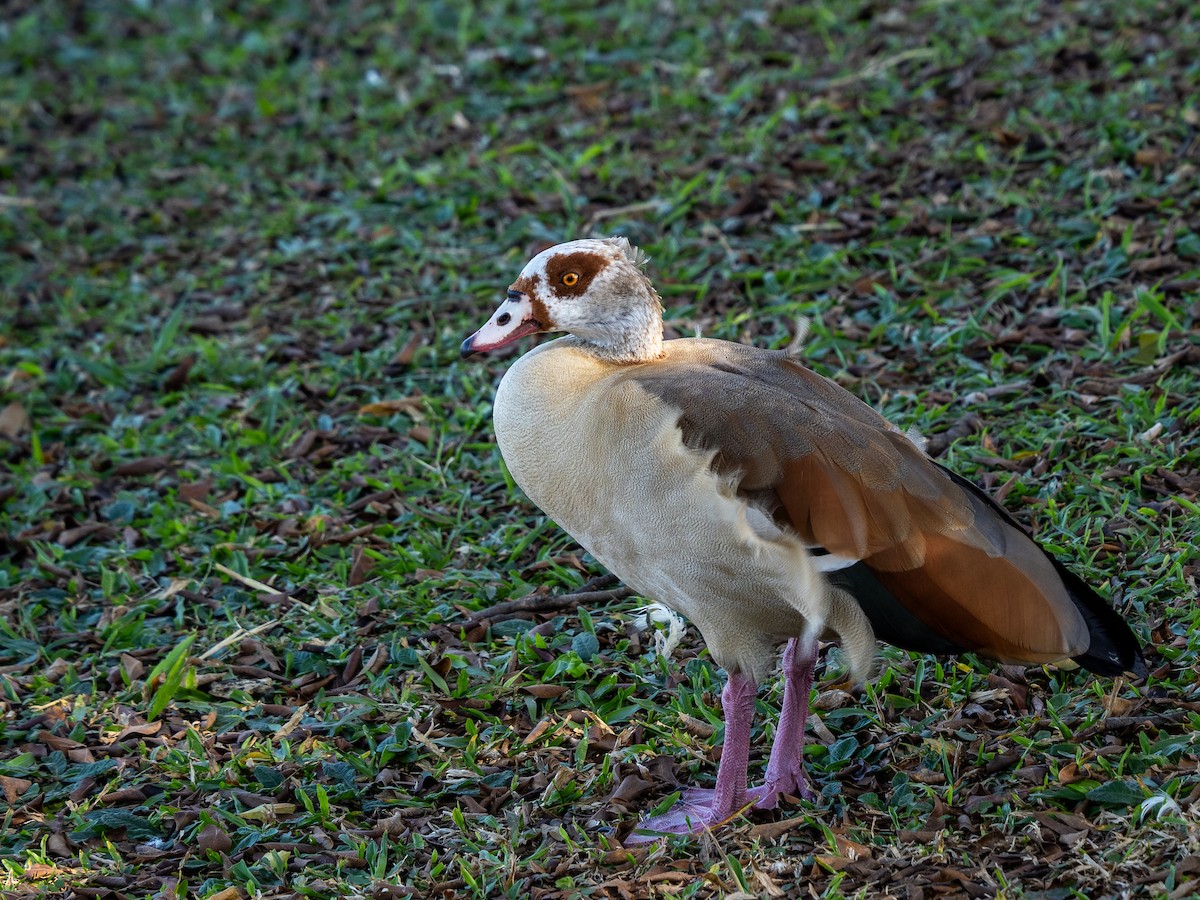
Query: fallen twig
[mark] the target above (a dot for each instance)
(595, 590)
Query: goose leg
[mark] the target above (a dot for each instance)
(729, 797)
(785, 768)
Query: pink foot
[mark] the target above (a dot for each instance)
(693, 812)
(682, 818)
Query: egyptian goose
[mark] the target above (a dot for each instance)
(764, 503)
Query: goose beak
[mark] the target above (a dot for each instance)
(513, 320)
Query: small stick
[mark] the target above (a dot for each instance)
(595, 590)
(589, 592)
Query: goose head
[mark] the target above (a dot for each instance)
(593, 289)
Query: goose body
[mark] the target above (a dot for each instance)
(636, 496)
(763, 502)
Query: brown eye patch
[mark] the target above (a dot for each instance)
(569, 274)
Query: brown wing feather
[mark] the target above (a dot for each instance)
(844, 479)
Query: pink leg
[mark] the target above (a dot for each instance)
(729, 797)
(699, 808)
(785, 769)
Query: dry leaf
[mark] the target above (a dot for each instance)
(545, 691)
(214, 837)
(768, 885)
(13, 788)
(195, 490)
(147, 465)
(829, 861)
(772, 830)
(852, 849)
(361, 566)
(13, 420)
(409, 405)
(269, 812)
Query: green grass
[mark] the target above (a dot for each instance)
(235, 569)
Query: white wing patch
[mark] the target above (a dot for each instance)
(828, 562)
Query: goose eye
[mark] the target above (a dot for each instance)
(571, 279)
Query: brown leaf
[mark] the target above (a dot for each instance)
(377, 661)
(1062, 823)
(772, 830)
(408, 351)
(195, 490)
(83, 788)
(927, 776)
(1151, 156)
(13, 420)
(361, 566)
(767, 885)
(948, 875)
(632, 787)
(54, 673)
(129, 795)
(865, 286)
(1035, 774)
(60, 846)
(538, 730)
(13, 788)
(697, 727)
(545, 691)
(832, 699)
(71, 536)
(852, 849)
(1000, 762)
(829, 861)
(150, 729)
(589, 98)
(214, 837)
(204, 509)
(36, 871)
(301, 446)
(1151, 264)
(1073, 838)
(409, 405)
(132, 666)
(1189, 865)
(923, 836)
(145, 466)
(1069, 774)
(178, 376)
(353, 665)
(55, 742)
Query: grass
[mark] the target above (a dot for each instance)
(250, 495)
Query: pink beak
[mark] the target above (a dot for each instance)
(512, 321)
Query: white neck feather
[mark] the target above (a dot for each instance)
(633, 336)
